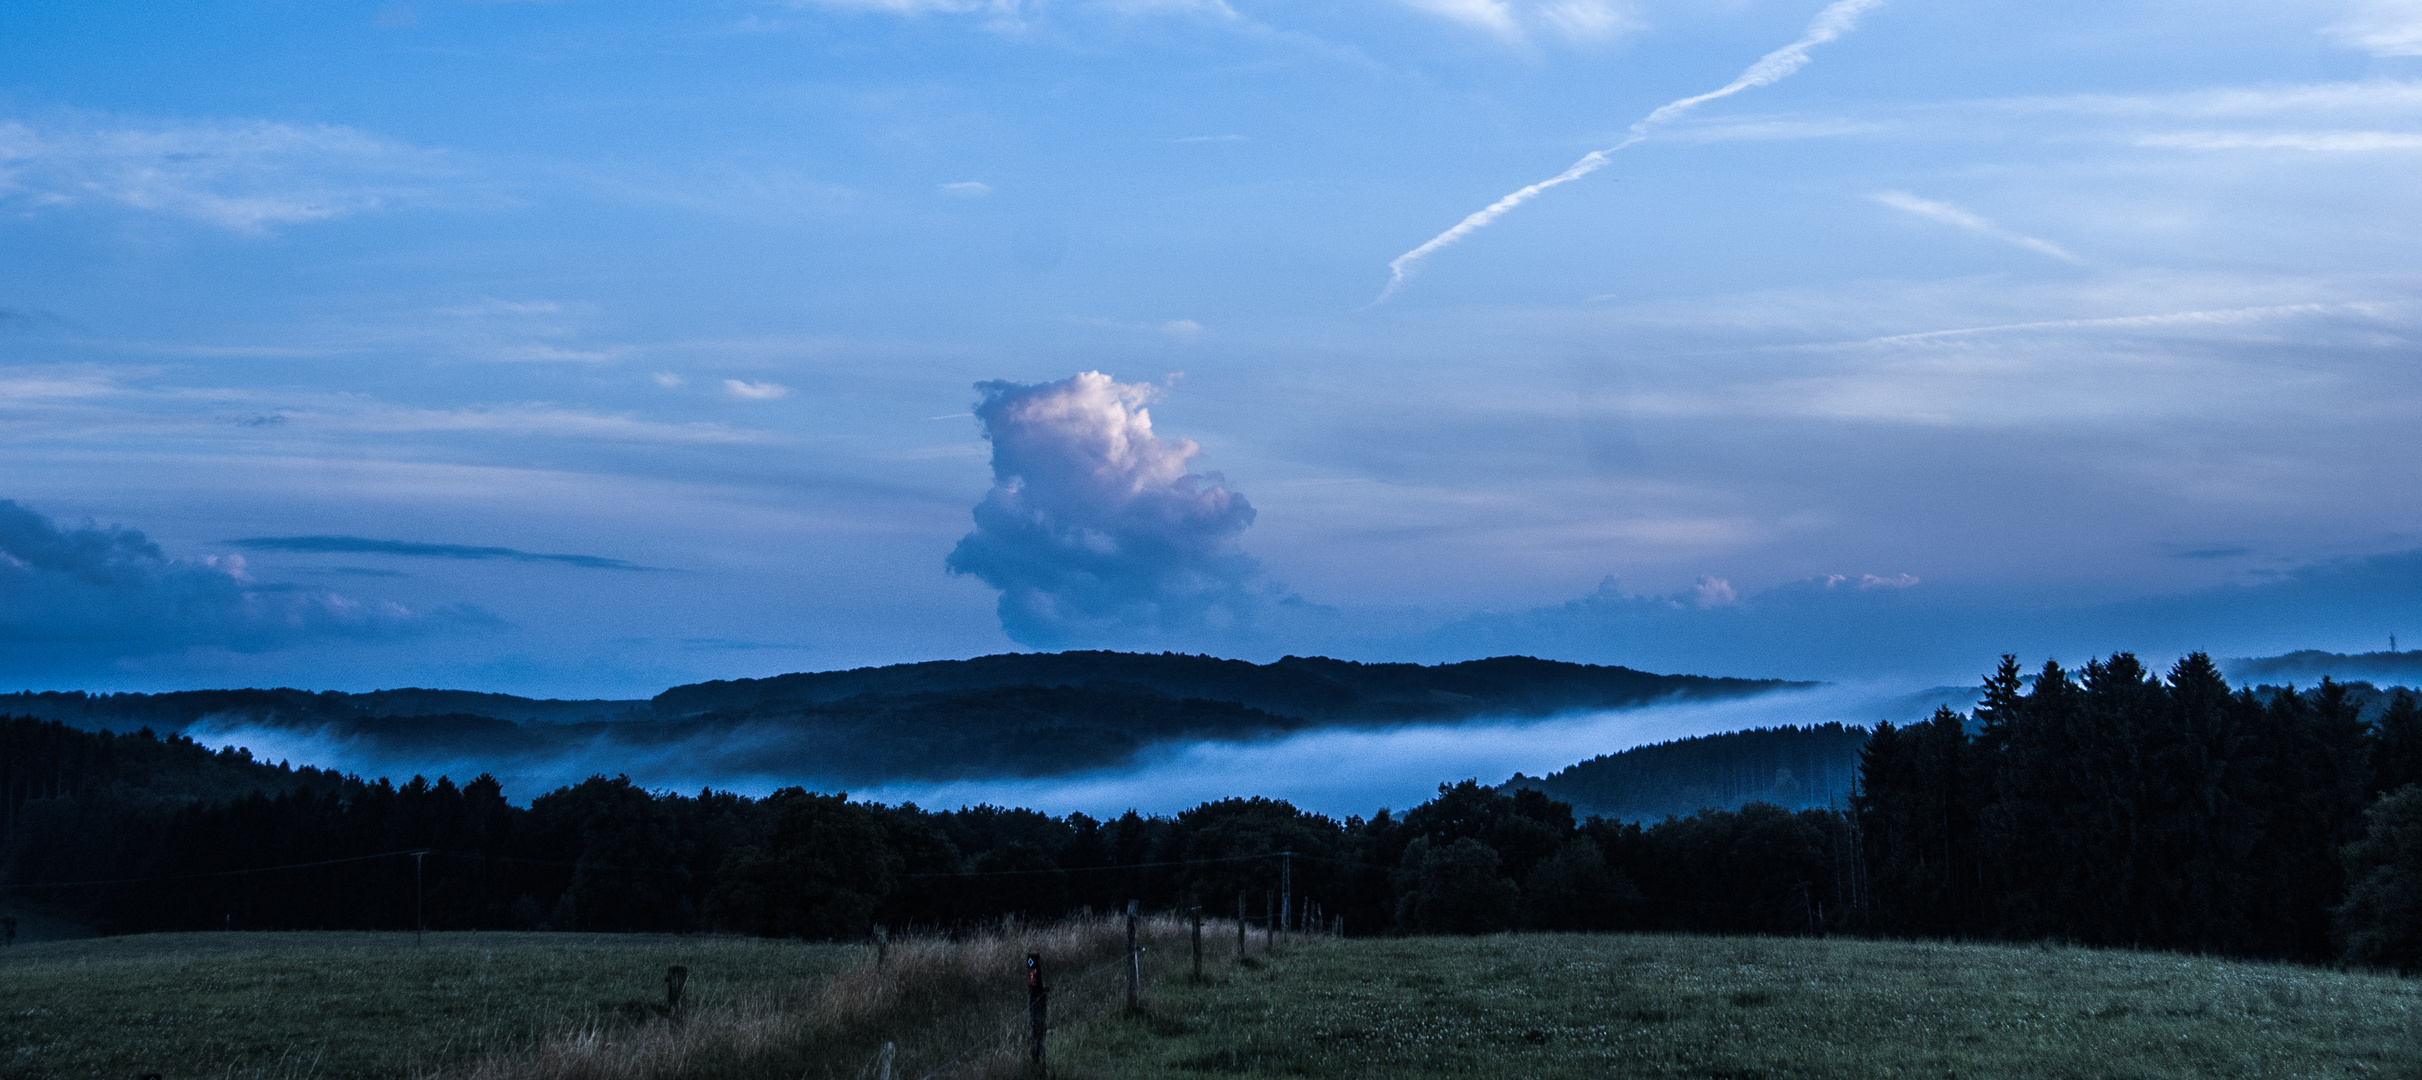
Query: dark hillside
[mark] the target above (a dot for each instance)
(1792, 767)
(1312, 688)
(303, 709)
(43, 759)
(1020, 715)
(2307, 667)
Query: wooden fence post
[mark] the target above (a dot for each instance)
(1198, 943)
(1038, 1009)
(675, 978)
(1286, 891)
(1269, 919)
(1240, 924)
(1135, 964)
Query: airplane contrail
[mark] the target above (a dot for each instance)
(1837, 19)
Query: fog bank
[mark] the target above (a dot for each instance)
(1333, 771)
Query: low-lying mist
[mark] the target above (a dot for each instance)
(1337, 771)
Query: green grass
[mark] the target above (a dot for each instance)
(587, 1007)
(338, 1006)
(1600, 1006)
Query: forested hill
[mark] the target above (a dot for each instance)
(1792, 767)
(1310, 688)
(53, 765)
(1298, 691)
(2307, 667)
(177, 710)
(1018, 715)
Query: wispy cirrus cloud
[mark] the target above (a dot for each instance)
(2337, 142)
(2380, 27)
(743, 390)
(1953, 216)
(356, 545)
(244, 176)
(1838, 18)
(1515, 20)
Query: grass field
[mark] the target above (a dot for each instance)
(588, 1007)
(1598, 1006)
(339, 1006)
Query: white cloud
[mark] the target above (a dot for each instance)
(2317, 141)
(503, 307)
(2381, 28)
(1954, 216)
(1490, 15)
(967, 189)
(754, 391)
(1215, 8)
(551, 354)
(1577, 20)
(917, 7)
(2399, 96)
(23, 385)
(243, 176)
(1714, 592)
(1588, 20)
(535, 420)
(1896, 581)
(1097, 529)
(1186, 330)
(667, 379)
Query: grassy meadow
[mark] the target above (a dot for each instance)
(1619, 1005)
(342, 1005)
(589, 1007)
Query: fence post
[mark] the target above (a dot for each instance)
(1198, 943)
(1135, 964)
(1269, 919)
(1038, 1009)
(1286, 891)
(886, 1063)
(1240, 924)
(675, 978)
(882, 947)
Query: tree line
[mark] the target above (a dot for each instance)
(313, 850)
(2109, 806)
(2105, 806)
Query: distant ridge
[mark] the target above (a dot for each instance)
(1008, 715)
(177, 710)
(2305, 667)
(1306, 687)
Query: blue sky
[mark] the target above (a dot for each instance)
(582, 349)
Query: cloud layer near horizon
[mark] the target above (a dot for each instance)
(93, 597)
(1839, 626)
(1097, 530)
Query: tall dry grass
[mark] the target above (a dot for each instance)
(950, 1005)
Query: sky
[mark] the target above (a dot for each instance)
(583, 349)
